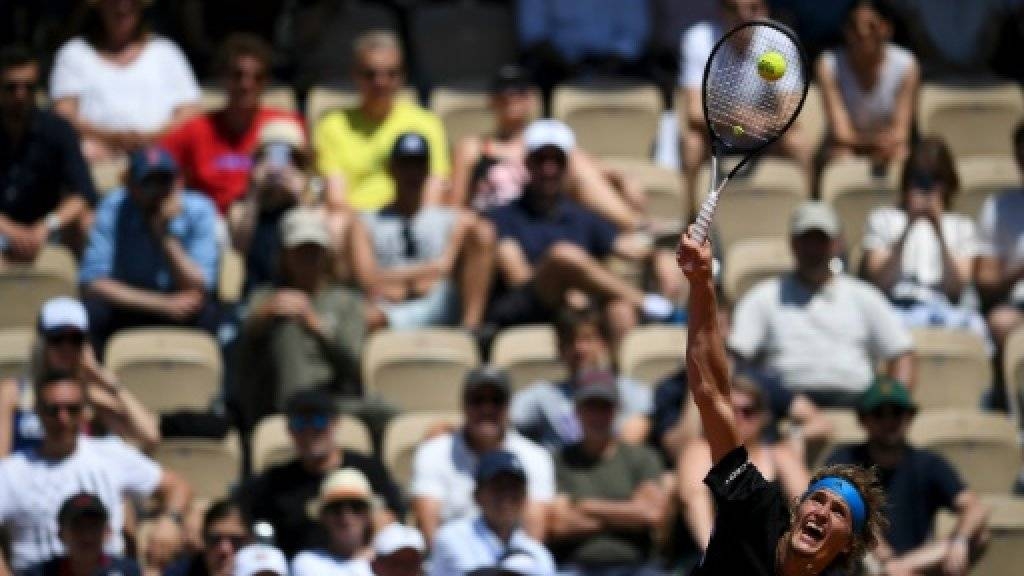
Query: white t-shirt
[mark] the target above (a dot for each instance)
(140, 96)
(695, 48)
(870, 109)
(824, 340)
(1001, 232)
(322, 563)
(921, 271)
(32, 490)
(443, 469)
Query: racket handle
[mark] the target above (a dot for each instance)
(702, 225)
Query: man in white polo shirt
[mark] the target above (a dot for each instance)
(823, 333)
(444, 467)
(34, 483)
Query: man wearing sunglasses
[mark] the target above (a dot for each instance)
(344, 508)
(45, 186)
(917, 484)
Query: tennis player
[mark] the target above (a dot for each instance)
(757, 532)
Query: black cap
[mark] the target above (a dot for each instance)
(81, 505)
(311, 402)
(486, 375)
(498, 462)
(411, 145)
(510, 77)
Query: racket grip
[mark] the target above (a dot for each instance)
(707, 213)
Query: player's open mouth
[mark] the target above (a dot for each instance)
(812, 532)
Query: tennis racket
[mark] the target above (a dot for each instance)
(755, 83)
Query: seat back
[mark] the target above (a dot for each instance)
(15, 351)
(981, 177)
(982, 447)
(953, 368)
(325, 98)
(972, 120)
(1013, 369)
(25, 287)
(812, 120)
(662, 187)
(845, 430)
(272, 443)
(405, 433)
(1005, 551)
(610, 121)
(211, 466)
(651, 353)
(231, 276)
(529, 354)
(748, 262)
(280, 97)
(854, 191)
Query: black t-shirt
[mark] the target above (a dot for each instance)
(751, 516)
(922, 483)
(112, 566)
(281, 494)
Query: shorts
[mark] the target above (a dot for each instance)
(516, 306)
(439, 307)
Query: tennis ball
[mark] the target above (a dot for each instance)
(771, 65)
(737, 130)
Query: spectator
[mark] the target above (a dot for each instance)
(352, 145)
(697, 43)
(47, 188)
(225, 531)
(204, 24)
(406, 254)
(82, 527)
(610, 497)
(344, 508)
(280, 494)
(869, 87)
(398, 551)
(120, 84)
(777, 461)
(548, 246)
(34, 484)
(62, 346)
(921, 254)
(277, 183)
(486, 539)
(544, 411)
(917, 483)
(820, 331)
(302, 332)
(152, 255)
(260, 560)
(443, 468)
(489, 170)
(215, 149)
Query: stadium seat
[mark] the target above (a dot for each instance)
(231, 277)
(322, 99)
(281, 97)
(610, 121)
(25, 287)
(1005, 551)
(980, 177)
(981, 446)
(108, 174)
(461, 43)
(973, 120)
(405, 432)
(812, 120)
(853, 191)
(953, 368)
(272, 444)
(845, 430)
(210, 465)
(1013, 369)
(748, 262)
(661, 186)
(167, 369)
(463, 112)
(15, 351)
(529, 353)
(650, 353)
(419, 369)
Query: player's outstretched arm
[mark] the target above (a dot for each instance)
(707, 365)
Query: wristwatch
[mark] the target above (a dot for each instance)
(53, 222)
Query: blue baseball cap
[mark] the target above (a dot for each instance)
(499, 462)
(150, 160)
(411, 145)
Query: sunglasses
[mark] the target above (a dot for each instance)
(923, 182)
(15, 86)
(53, 410)
(75, 338)
(386, 73)
(213, 539)
(481, 399)
(889, 412)
(340, 506)
(315, 422)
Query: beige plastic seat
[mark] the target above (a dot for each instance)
(420, 369)
(281, 97)
(953, 368)
(25, 287)
(463, 113)
(405, 432)
(1005, 552)
(167, 369)
(272, 444)
(108, 174)
(650, 353)
(853, 191)
(973, 120)
(981, 446)
(748, 262)
(1013, 369)
(661, 186)
(812, 120)
(231, 277)
(15, 351)
(980, 177)
(529, 354)
(620, 121)
(846, 429)
(322, 99)
(211, 466)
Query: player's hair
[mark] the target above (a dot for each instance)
(932, 156)
(16, 56)
(377, 39)
(866, 482)
(242, 44)
(569, 320)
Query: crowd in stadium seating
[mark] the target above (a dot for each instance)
(279, 251)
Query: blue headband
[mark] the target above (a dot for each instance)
(847, 492)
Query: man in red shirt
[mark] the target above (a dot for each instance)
(214, 150)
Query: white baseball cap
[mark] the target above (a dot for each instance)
(397, 536)
(549, 132)
(62, 313)
(259, 558)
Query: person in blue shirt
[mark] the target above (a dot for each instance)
(153, 253)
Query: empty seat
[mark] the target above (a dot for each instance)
(973, 120)
(462, 42)
(280, 97)
(812, 120)
(980, 177)
(419, 369)
(748, 262)
(231, 276)
(108, 174)
(272, 444)
(610, 121)
(650, 353)
(211, 466)
(405, 432)
(25, 287)
(661, 186)
(953, 368)
(15, 351)
(982, 447)
(463, 112)
(529, 354)
(167, 369)
(854, 191)
(322, 99)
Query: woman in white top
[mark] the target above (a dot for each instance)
(869, 87)
(119, 84)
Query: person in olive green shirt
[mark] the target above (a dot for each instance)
(610, 497)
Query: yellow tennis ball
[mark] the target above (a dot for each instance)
(737, 130)
(771, 65)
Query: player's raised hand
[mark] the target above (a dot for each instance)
(693, 258)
